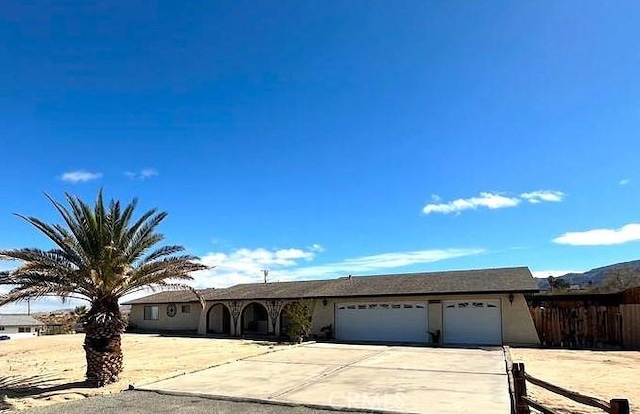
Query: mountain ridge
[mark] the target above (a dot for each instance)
(617, 276)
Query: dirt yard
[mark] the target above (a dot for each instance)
(601, 374)
(50, 369)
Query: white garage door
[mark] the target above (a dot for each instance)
(382, 321)
(474, 321)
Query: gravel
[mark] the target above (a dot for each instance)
(145, 402)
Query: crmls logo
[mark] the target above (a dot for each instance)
(377, 401)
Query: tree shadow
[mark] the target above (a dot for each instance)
(39, 386)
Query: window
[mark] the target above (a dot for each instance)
(1, 328)
(362, 306)
(408, 306)
(24, 329)
(151, 313)
(463, 304)
(395, 306)
(478, 305)
(185, 309)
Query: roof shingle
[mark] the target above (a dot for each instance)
(515, 279)
(18, 320)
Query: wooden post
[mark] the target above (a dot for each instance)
(520, 385)
(619, 406)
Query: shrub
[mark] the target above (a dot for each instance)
(299, 316)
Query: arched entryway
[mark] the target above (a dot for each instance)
(255, 320)
(219, 320)
(284, 321)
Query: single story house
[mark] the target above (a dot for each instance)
(20, 326)
(486, 306)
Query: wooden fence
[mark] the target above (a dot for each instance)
(521, 402)
(580, 326)
(630, 326)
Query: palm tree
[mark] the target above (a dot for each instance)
(100, 255)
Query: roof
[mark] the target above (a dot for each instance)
(18, 320)
(515, 279)
(183, 296)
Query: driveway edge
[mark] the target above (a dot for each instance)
(508, 362)
(267, 402)
(131, 387)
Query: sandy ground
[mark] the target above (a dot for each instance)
(56, 364)
(600, 374)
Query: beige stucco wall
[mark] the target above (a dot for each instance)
(435, 319)
(517, 324)
(180, 322)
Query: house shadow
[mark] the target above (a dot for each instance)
(39, 386)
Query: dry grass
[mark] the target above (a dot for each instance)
(50, 369)
(601, 374)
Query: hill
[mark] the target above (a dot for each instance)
(58, 322)
(614, 277)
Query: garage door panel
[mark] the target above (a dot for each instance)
(394, 322)
(473, 321)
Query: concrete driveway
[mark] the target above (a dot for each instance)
(369, 377)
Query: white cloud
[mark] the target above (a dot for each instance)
(539, 196)
(148, 172)
(487, 200)
(378, 263)
(601, 237)
(491, 201)
(543, 274)
(245, 265)
(80, 176)
(143, 174)
(624, 181)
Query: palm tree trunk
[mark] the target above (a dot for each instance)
(102, 345)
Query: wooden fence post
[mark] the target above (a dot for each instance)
(520, 385)
(619, 406)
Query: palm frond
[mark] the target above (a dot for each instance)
(98, 254)
(162, 252)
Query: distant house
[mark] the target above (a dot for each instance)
(485, 306)
(20, 326)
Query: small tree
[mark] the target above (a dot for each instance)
(556, 283)
(299, 318)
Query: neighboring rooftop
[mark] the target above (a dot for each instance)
(18, 320)
(514, 279)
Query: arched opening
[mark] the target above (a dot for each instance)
(284, 321)
(219, 320)
(255, 320)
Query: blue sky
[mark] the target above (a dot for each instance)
(317, 139)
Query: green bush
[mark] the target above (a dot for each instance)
(299, 318)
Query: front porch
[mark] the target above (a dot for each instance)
(257, 319)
